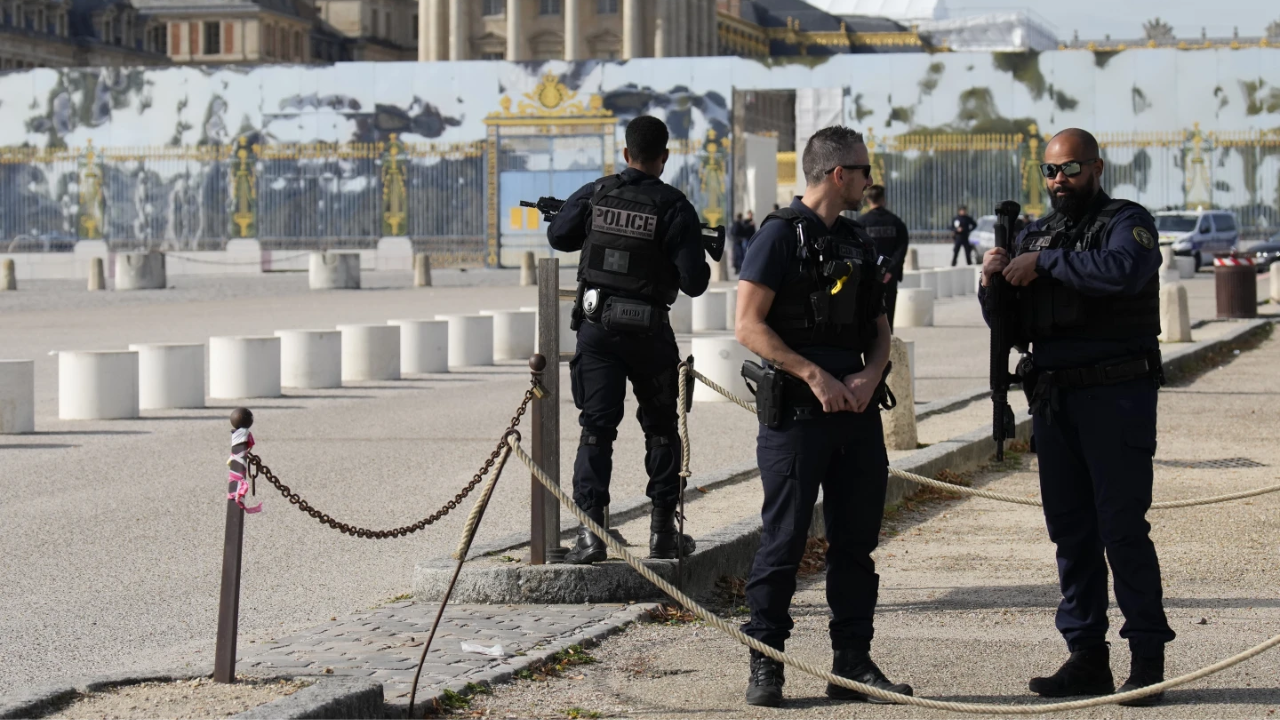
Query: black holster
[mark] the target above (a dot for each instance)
(766, 384)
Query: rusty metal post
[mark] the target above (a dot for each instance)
(545, 511)
(537, 496)
(224, 654)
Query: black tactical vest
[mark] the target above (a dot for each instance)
(825, 296)
(1049, 309)
(624, 250)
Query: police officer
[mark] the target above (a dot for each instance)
(641, 245)
(810, 304)
(961, 227)
(1088, 300)
(889, 234)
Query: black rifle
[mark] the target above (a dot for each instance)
(713, 240)
(1000, 313)
(548, 206)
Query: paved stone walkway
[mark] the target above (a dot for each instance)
(384, 644)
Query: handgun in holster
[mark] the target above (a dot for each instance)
(884, 396)
(577, 315)
(766, 385)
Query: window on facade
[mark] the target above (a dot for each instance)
(282, 44)
(493, 56)
(495, 7)
(212, 38)
(269, 42)
(297, 45)
(415, 28)
(606, 7)
(548, 7)
(373, 22)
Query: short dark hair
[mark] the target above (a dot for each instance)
(646, 138)
(827, 148)
(875, 194)
(964, 208)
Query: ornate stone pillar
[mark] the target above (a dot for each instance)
(572, 30)
(515, 29)
(632, 28)
(663, 33)
(459, 42)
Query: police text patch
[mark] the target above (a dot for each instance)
(1144, 238)
(882, 231)
(624, 222)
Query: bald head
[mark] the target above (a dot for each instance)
(1077, 144)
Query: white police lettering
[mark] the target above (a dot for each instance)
(882, 231)
(625, 222)
(850, 252)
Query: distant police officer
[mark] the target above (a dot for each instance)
(1088, 298)
(890, 236)
(641, 245)
(961, 227)
(810, 303)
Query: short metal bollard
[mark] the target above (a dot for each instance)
(224, 654)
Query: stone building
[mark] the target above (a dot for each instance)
(61, 33)
(567, 29)
(234, 31)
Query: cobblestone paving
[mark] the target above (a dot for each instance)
(384, 644)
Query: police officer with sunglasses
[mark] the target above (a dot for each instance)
(1088, 303)
(810, 303)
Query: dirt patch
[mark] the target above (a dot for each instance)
(196, 698)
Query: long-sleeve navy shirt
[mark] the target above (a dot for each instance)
(890, 235)
(683, 243)
(1121, 265)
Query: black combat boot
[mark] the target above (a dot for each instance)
(1086, 672)
(663, 536)
(765, 686)
(588, 548)
(857, 665)
(1144, 670)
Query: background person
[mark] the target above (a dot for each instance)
(890, 236)
(961, 226)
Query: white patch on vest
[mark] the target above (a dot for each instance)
(617, 260)
(624, 222)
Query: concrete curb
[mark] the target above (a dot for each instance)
(327, 697)
(955, 402)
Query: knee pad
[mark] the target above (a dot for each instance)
(598, 437)
(658, 441)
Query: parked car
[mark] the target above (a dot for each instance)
(1266, 253)
(983, 236)
(1198, 233)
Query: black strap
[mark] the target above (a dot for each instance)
(1109, 374)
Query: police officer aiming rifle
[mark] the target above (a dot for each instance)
(810, 302)
(1087, 300)
(641, 244)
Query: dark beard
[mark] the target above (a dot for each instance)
(1074, 205)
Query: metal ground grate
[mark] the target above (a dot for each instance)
(1223, 464)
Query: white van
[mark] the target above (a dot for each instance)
(1199, 233)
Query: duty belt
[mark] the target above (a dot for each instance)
(1042, 386)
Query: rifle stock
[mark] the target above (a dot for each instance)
(1000, 301)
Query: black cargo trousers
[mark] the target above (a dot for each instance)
(599, 371)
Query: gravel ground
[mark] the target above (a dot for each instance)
(199, 698)
(969, 588)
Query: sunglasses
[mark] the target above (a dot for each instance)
(1070, 169)
(866, 170)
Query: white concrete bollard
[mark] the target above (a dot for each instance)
(720, 358)
(900, 431)
(1275, 282)
(310, 359)
(730, 306)
(708, 312)
(244, 366)
(568, 338)
(8, 275)
(1175, 315)
(97, 274)
(170, 375)
(935, 280)
(17, 397)
(140, 271)
(334, 271)
(422, 270)
(910, 280)
(914, 308)
(514, 333)
(911, 360)
(912, 261)
(681, 314)
(528, 269)
(97, 385)
(1186, 266)
(946, 283)
(370, 352)
(424, 346)
(471, 339)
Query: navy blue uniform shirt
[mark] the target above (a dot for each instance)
(961, 226)
(1121, 265)
(771, 252)
(683, 243)
(890, 236)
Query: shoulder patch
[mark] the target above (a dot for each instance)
(1144, 238)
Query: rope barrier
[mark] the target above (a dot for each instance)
(723, 625)
(244, 263)
(988, 494)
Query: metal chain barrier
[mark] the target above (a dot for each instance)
(724, 626)
(255, 467)
(975, 492)
(236, 263)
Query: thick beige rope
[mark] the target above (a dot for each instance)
(980, 708)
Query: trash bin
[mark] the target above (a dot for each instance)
(1236, 282)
